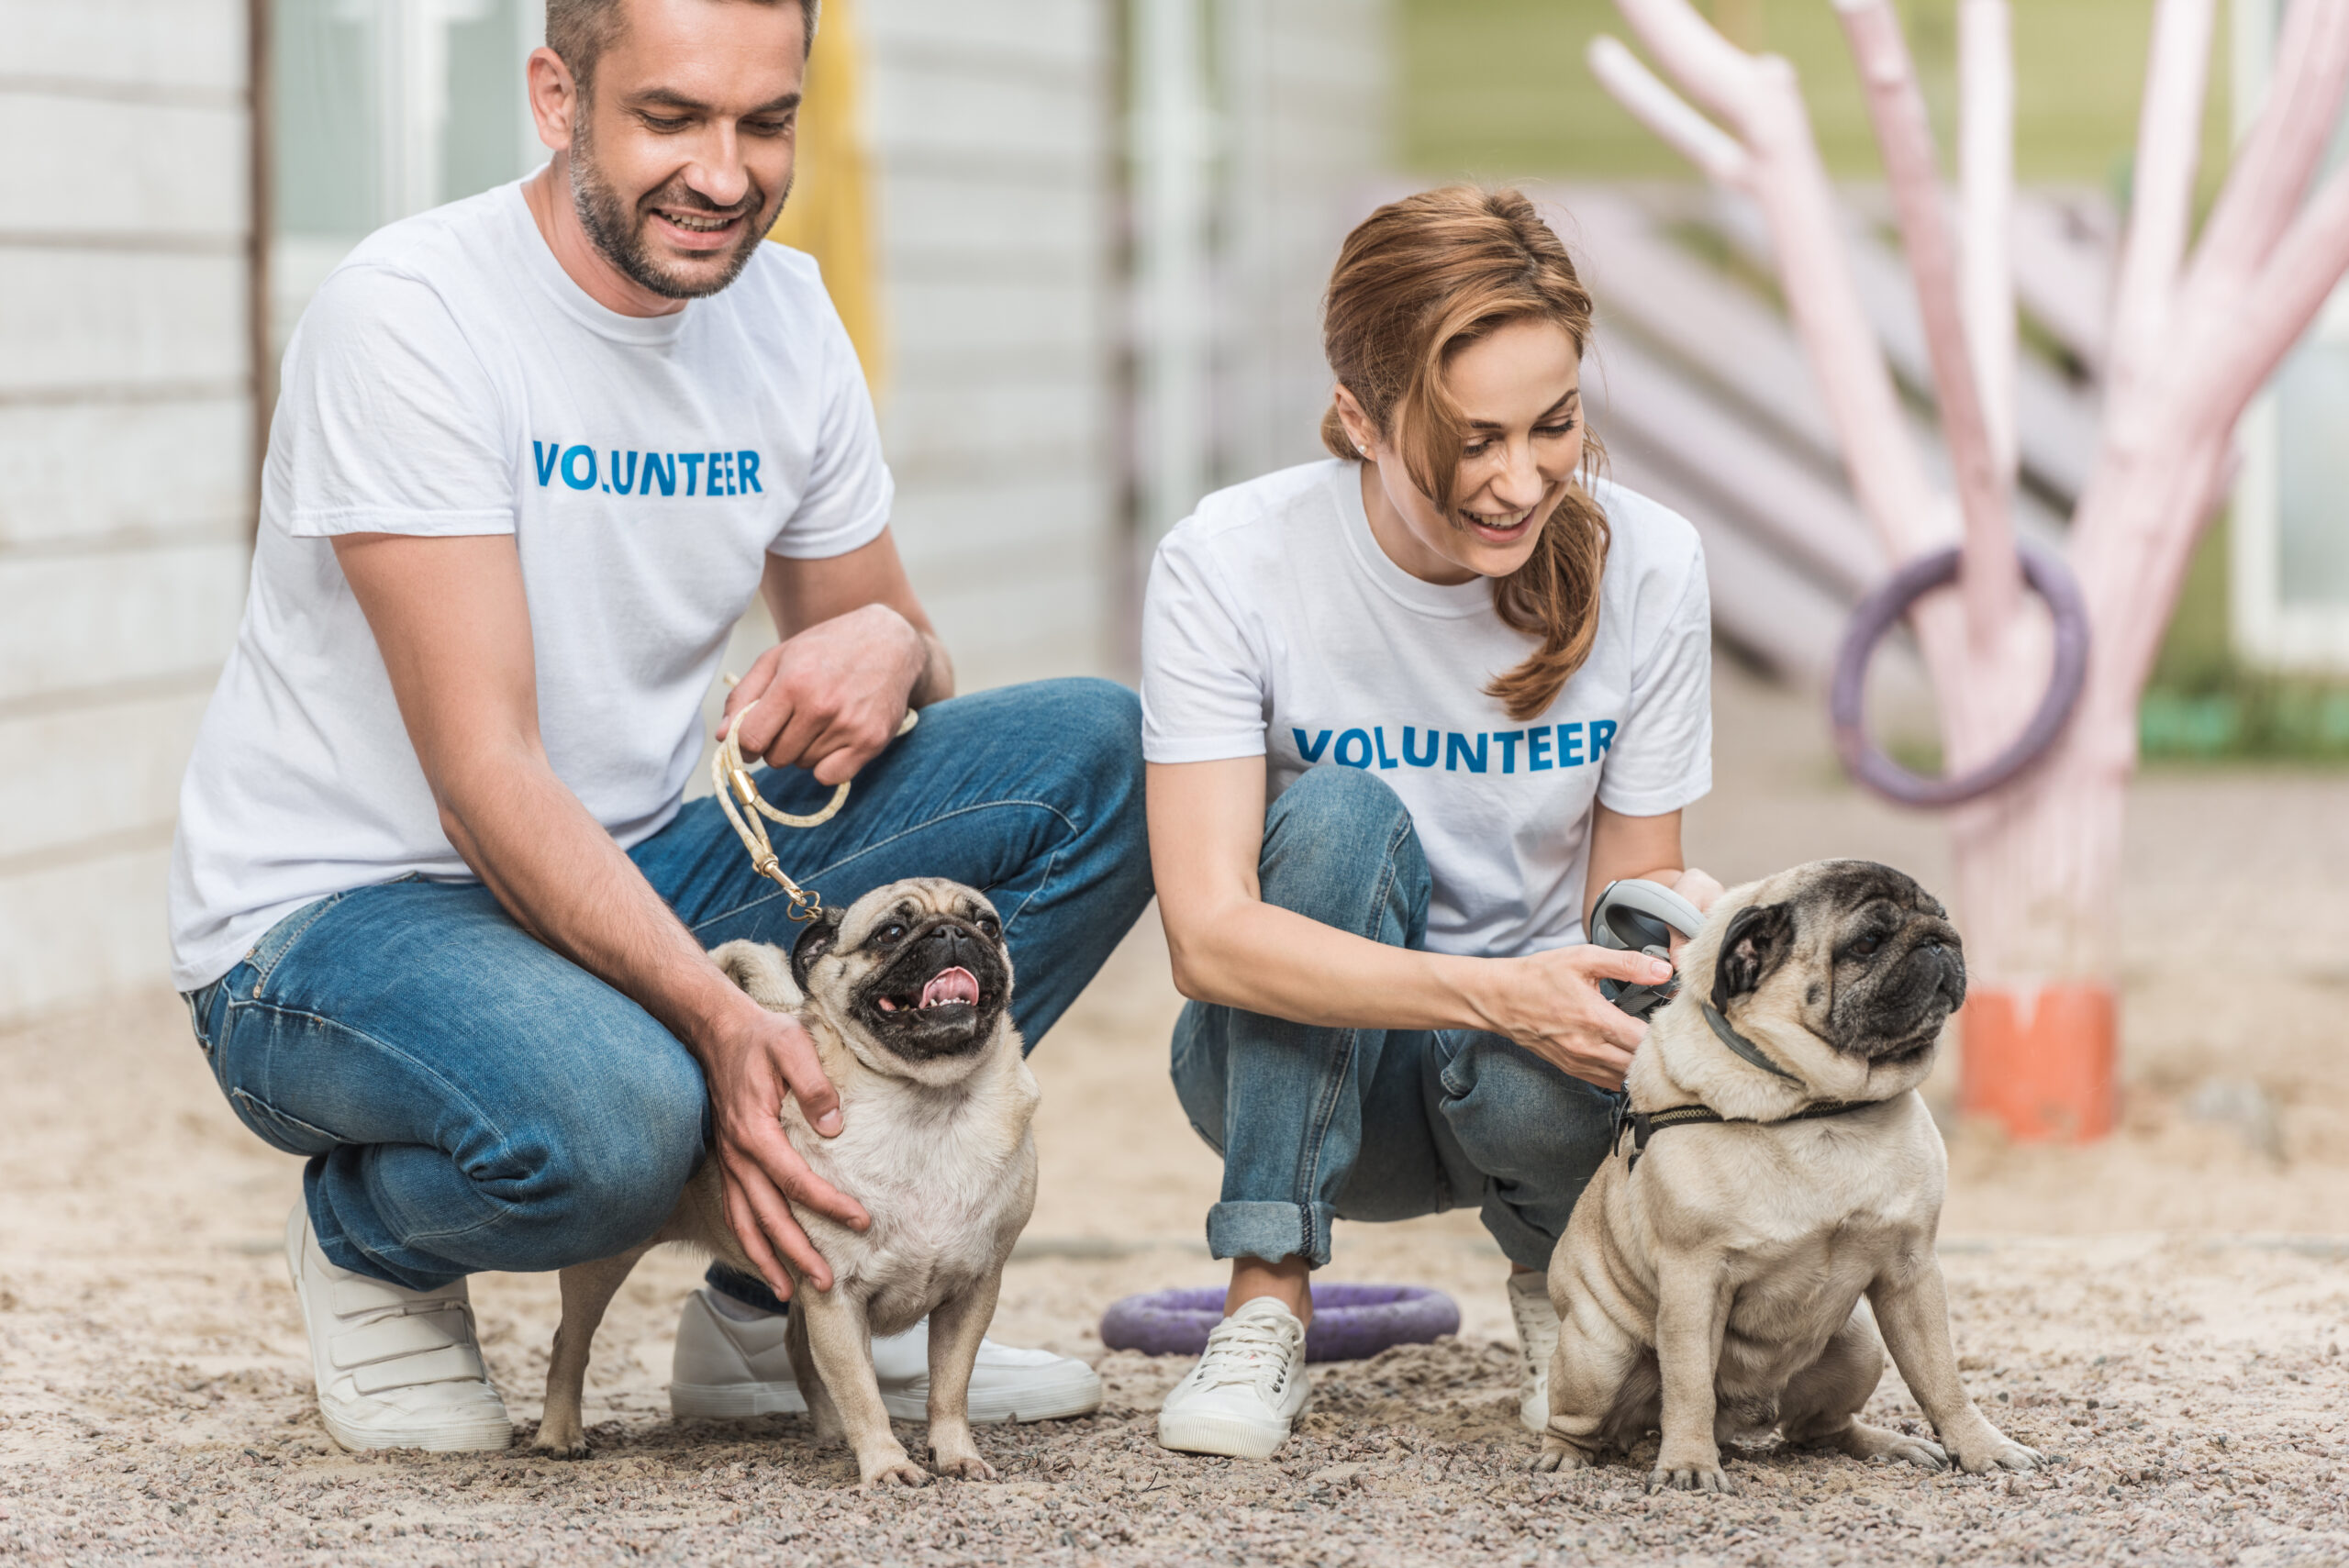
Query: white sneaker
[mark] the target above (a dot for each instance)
(396, 1368)
(1247, 1390)
(729, 1366)
(1537, 1341)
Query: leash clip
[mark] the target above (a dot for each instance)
(739, 798)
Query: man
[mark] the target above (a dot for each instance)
(438, 911)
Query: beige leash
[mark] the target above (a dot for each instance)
(738, 794)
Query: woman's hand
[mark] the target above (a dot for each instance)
(1697, 886)
(1549, 1003)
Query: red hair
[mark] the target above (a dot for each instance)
(1420, 280)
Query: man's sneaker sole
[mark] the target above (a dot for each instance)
(456, 1437)
(1055, 1401)
(734, 1401)
(1188, 1431)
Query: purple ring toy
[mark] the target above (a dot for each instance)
(1351, 1322)
(2047, 573)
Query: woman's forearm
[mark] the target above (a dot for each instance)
(1262, 959)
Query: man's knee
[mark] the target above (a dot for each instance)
(599, 1165)
(1096, 725)
(1340, 848)
(1097, 716)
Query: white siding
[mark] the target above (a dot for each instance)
(77, 472)
(1306, 88)
(140, 172)
(125, 441)
(990, 125)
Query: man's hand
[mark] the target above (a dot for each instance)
(749, 1067)
(830, 699)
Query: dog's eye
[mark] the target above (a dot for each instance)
(990, 925)
(1866, 946)
(889, 935)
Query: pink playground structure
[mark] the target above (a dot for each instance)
(2038, 693)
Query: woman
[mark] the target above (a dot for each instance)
(1472, 681)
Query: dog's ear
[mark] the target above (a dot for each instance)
(821, 934)
(1758, 939)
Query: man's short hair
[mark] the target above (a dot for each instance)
(580, 30)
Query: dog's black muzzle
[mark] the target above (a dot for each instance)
(951, 945)
(916, 1031)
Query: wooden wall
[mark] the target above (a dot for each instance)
(991, 128)
(124, 452)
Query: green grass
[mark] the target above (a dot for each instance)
(1497, 89)
(2202, 704)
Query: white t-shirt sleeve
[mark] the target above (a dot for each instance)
(389, 422)
(849, 491)
(1662, 760)
(1202, 685)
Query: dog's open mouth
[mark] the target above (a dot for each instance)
(947, 988)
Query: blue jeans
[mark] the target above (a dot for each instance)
(469, 1099)
(1315, 1123)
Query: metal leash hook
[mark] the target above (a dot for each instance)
(738, 794)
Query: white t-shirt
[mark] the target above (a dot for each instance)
(1277, 627)
(449, 378)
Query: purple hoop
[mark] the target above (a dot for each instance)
(1351, 1322)
(2052, 578)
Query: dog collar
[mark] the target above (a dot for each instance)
(1742, 1046)
(1643, 1124)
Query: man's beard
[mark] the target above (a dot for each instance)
(619, 234)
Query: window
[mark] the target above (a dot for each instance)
(2290, 544)
(383, 109)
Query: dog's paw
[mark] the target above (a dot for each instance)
(969, 1467)
(1862, 1441)
(561, 1441)
(900, 1472)
(1918, 1451)
(1692, 1478)
(1997, 1453)
(1557, 1454)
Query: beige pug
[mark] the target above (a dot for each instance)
(1740, 1275)
(907, 997)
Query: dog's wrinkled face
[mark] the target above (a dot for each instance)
(1863, 957)
(918, 968)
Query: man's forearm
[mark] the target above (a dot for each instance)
(936, 681)
(562, 877)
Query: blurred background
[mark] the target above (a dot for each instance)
(1080, 244)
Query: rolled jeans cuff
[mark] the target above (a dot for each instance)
(1271, 1231)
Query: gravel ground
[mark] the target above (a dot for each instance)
(2163, 1311)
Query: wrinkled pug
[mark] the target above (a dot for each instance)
(906, 995)
(1776, 1166)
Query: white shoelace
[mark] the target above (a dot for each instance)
(1258, 1352)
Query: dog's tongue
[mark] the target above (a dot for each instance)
(955, 984)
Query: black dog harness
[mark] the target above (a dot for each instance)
(1643, 1124)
